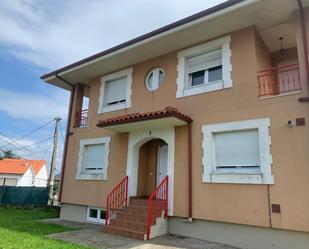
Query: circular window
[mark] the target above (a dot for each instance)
(154, 79)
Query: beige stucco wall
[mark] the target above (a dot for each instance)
(235, 203)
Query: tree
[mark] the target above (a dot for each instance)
(7, 154)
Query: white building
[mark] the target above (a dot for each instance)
(23, 173)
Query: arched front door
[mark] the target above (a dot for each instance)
(136, 141)
(152, 166)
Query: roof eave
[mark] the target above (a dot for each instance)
(151, 35)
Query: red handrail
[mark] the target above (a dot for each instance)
(157, 202)
(117, 198)
(81, 118)
(278, 80)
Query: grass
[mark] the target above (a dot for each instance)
(21, 228)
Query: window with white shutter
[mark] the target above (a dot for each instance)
(204, 68)
(93, 159)
(115, 91)
(237, 152)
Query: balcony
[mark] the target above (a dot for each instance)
(81, 118)
(279, 80)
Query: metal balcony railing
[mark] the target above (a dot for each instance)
(157, 202)
(116, 199)
(279, 80)
(81, 118)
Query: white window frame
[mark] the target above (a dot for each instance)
(210, 172)
(81, 174)
(104, 79)
(95, 220)
(156, 78)
(182, 68)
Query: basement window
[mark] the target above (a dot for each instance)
(96, 215)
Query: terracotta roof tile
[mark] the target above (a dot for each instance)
(20, 166)
(135, 117)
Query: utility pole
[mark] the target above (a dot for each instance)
(53, 162)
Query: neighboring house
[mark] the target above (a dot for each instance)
(206, 118)
(23, 173)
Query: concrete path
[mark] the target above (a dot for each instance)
(93, 236)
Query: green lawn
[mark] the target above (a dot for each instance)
(20, 228)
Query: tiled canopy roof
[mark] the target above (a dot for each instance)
(135, 117)
(20, 166)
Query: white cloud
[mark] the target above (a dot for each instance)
(36, 108)
(51, 34)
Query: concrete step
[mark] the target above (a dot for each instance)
(135, 209)
(125, 232)
(142, 218)
(129, 224)
(138, 201)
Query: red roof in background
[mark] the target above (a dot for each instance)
(20, 166)
(135, 117)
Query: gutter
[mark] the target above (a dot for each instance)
(305, 44)
(69, 118)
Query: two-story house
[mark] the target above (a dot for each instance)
(199, 128)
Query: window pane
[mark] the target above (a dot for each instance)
(161, 77)
(197, 78)
(237, 149)
(150, 81)
(93, 213)
(215, 74)
(102, 214)
(94, 156)
(115, 91)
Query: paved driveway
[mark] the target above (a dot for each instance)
(94, 237)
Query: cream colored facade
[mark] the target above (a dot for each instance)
(246, 204)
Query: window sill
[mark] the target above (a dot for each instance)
(219, 85)
(93, 177)
(238, 178)
(116, 107)
(96, 221)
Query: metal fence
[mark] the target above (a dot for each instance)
(23, 195)
(279, 80)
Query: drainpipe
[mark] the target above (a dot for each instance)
(305, 43)
(190, 171)
(269, 206)
(65, 149)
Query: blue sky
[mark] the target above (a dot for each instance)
(38, 36)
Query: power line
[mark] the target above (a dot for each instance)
(46, 151)
(41, 141)
(14, 144)
(29, 133)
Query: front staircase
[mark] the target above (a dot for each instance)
(141, 218)
(132, 221)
